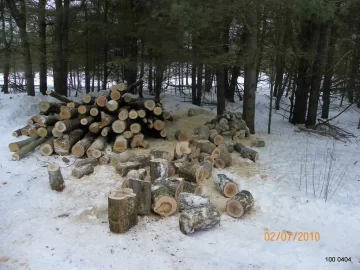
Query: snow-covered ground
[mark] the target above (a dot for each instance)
(44, 229)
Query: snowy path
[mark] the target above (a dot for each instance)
(41, 229)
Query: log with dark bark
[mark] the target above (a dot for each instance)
(142, 189)
(55, 177)
(50, 107)
(93, 161)
(79, 172)
(63, 144)
(239, 204)
(246, 152)
(88, 120)
(158, 169)
(68, 113)
(162, 202)
(18, 133)
(194, 188)
(124, 168)
(46, 120)
(56, 133)
(199, 219)
(32, 130)
(206, 147)
(174, 185)
(202, 133)
(192, 172)
(122, 211)
(28, 148)
(79, 149)
(47, 148)
(225, 185)
(84, 109)
(188, 201)
(88, 99)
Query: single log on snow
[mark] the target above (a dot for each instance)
(199, 219)
(192, 172)
(47, 148)
(194, 188)
(124, 168)
(257, 143)
(28, 148)
(63, 144)
(174, 185)
(16, 146)
(142, 189)
(93, 161)
(82, 171)
(79, 149)
(96, 147)
(162, 202)
(225, 185)
(158, 169)
(55, 177)
(122, 212)
(239, 204)
(246, 152)
(195, 111)
(188, 201)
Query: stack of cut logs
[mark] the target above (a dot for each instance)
(97, 126)
(229, 124)
(176, 183)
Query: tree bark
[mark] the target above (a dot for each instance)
(250, 69)
(42, 47)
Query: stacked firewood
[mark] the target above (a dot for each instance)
(176, 183)
(111, 123)
(229, 124)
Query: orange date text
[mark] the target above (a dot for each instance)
(286, 236)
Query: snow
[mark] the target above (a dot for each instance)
(44, 229)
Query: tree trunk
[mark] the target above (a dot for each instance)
(159, 79)
(318, 71)
(193, 83)
(199, 84)
(329, 71)
(250, 71)
(220, 79)
(208, 81)
(42, 47)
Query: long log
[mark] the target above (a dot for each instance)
(50, 107)
(88, 120)
(199, 219)
(246, 152)
(88, 99)
(82, 171)
(68, 125)
(16, 146)
(162, 202)
(93, 161)
(55, 177)
(96, 147)
(79, 149)
(46, 120)
(33, 129)
(63, 144)
(106, 119)
(28, 148)
(192, 172)
(57, 96)
(122, 211)
(17, 132)
(239, 204)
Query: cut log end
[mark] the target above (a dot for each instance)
(230, 190)
(94, 112)
(101, 101)
(239, 204)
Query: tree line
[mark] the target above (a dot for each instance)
(309, 49)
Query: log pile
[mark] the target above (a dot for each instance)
(229, 124)
(115, 122)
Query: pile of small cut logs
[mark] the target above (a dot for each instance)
(94, 127)
(176, 183)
